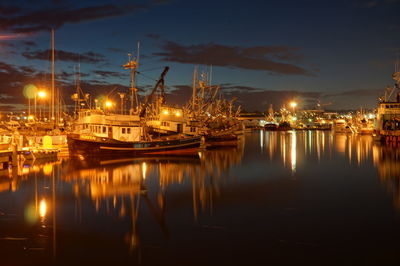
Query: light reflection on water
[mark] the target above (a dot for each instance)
(126, 207)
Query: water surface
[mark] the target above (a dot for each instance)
(278, 198)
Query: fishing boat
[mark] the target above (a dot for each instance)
(341, 126)
(388, 114)
(95, 146)
(212, 116)
(271, 126)
(98, 133)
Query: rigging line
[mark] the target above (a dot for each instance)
(145, 76)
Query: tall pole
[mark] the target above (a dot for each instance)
(194, 88)
(52, 73)
(132, 65)
(35, 106)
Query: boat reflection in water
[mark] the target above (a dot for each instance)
(123, 188)
(387, 161)
(292, 147)
(27, 213)
(313, 194)
(359, 150)
(116, 193)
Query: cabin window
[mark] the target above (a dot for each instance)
(104, 129)
(123, 130)
(192, 129)
(109, 129)
(128, 130)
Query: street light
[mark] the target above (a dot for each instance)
(293, 105)
(108, 104)
(41, 94)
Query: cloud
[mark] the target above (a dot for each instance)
(264, 58)
(259, 99)
(356, 93)
(107, 74)
(15, 78)
(29, 43)
(250, 98)
(7, 44)
(13, 19)
(12, 36)
(88, 57)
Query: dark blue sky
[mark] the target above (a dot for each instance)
(262, 52)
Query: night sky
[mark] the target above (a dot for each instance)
(341, 53)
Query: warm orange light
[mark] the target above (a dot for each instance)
(178, 114)
(42, 208)
(144, 169)
(166, 112)
(293, 104)
(47, 169)
(42, 94)
(109, 104)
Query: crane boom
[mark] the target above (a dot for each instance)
(148, 98)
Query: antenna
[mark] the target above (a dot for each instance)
(52, 76)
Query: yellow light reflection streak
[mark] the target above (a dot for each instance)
(42, 208)
(144, 169)
(293, 154)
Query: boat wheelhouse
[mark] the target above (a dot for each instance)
(388, 121)
(387, 128)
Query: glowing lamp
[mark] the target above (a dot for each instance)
(109, 104)
(42, 94)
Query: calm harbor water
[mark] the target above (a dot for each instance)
(278, 198)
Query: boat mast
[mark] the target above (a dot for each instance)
(133, 64)
(194, 89)
(52, 74)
